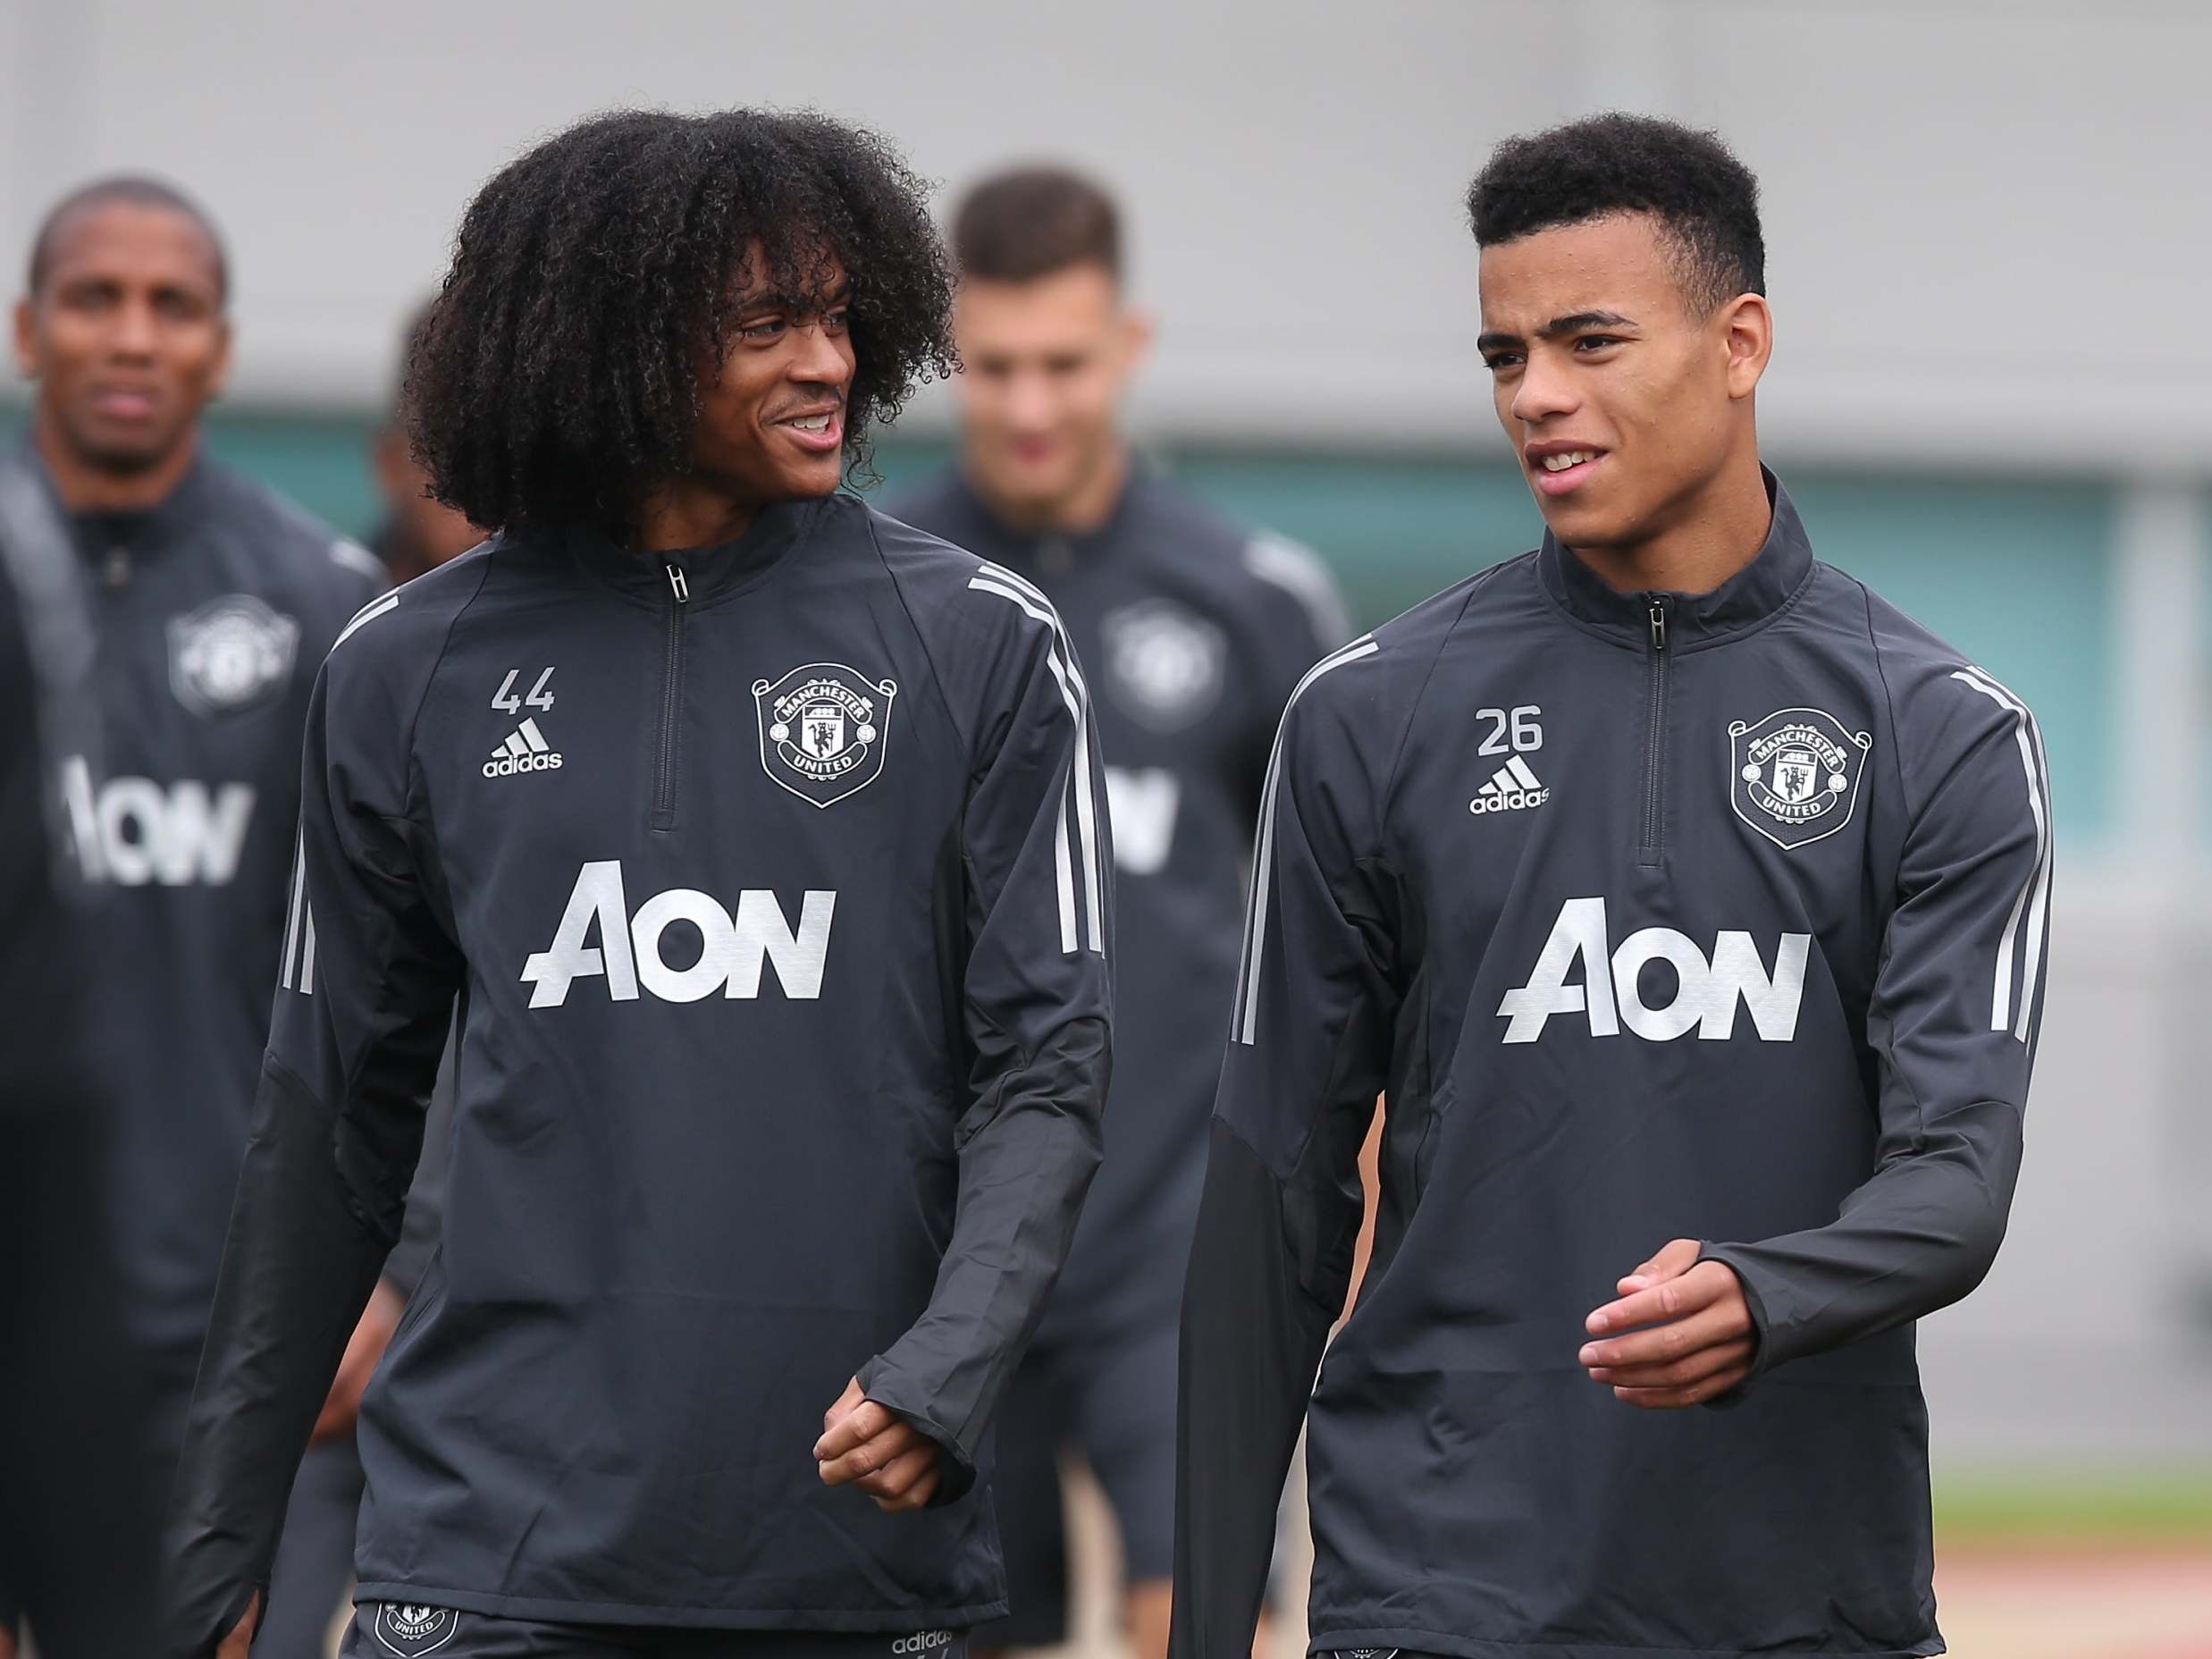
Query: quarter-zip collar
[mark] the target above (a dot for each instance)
(143, 532)
(1052, 553)
(1752, 597)
(707, 573)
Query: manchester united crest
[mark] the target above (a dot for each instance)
(823, 730)
(411, 1629)
(1793, 776)
(231, 654)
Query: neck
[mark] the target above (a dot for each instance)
(1716, 535)
(86, 487)
(689, 514)
(1089, 504)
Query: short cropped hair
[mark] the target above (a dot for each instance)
(136, 189)
(1688, 180)
(1032, 221)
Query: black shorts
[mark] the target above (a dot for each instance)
(396, 1631)
(1110, 1395)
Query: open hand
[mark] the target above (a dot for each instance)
(872, 1447)
(1696, 1340)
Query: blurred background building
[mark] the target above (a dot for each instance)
(1990, 223)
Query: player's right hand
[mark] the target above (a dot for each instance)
(241, 1636)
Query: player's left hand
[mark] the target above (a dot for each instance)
(1698, 1337)
(342, 1410)
(872, 1447)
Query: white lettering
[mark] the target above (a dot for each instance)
(1143, 805)
(733, 951)
(1705, 993)
(131, 830)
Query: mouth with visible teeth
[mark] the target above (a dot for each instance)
(822, 432)
(1555, 472)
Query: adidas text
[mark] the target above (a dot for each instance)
(1513, 789)
(923, 1642)
(734, 948)
(526, 750)
(1707, 991)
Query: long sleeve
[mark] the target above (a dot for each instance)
(365, 986)
(1308, 1049)
(1952, 1022)
(1036, 869)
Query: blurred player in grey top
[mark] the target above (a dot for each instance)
(211, 600)
(1196, 629)
(1689, 902)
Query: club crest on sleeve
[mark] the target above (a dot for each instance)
(1793, 776)
(230, 654)
(411, 1629)
(1163, 663)
(824, 729)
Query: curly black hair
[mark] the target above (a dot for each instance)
(556, 379)
(1689, 180)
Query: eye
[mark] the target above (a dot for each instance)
(1500, 361)
(1596, 342)
(838, 320)
(763, 329)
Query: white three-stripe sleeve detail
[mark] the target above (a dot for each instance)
(293, 909)
(366, 614)
(1264, 856)
(1064, 877)
(1086, 808)
(1059, 658)
(307, 953)
(2032, 897)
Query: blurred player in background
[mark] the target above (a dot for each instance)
(77, 1490)
(1196, 629)
(213, 601)
(419, 531)
(1691, 902)
(761, 840)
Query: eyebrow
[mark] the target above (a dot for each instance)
(802, 304)
(1573, 323)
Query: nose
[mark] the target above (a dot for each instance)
(1545, 390)
(134, 332)
(1029, 402)
(823, 357)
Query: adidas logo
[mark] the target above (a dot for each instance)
(526, 750)
(1513, 787)
(923, 1642)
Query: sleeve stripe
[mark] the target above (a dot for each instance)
(1300, 572)
(292, 910)
(2034, 896)
(1246, 1015)
(366, 614)
(307, 953)
(1060, 658)
(1064, 878)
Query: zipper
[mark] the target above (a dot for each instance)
(671, 703)
(1656, 739)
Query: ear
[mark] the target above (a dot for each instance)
(1746, 324)
(221, 377)
(26, 341)
(1138, 332)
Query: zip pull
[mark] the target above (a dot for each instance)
(115, 569)
(1659, 623)
(678, 586)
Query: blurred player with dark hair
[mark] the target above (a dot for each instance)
(760, 842)
(1196, 630)
(1690, 902)
(212, 602)
(420, 532)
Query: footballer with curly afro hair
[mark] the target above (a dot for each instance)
(655, 323)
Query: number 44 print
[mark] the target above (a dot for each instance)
(539, 697)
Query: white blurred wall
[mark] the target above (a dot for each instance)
(1989, 219)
